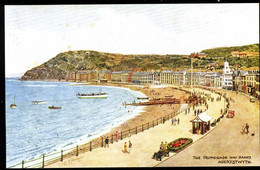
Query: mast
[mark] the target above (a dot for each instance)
(191, 76)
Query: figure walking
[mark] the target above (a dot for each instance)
(195, 112)
(106, 142)
(247, 128)
(178, 121)
(125, 147)
(130, 146)
(243, 130)
(116, 134)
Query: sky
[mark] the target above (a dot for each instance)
(36, 33)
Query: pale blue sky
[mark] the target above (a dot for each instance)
(36, 33)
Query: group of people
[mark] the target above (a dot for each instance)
(164, 145)
(175, 120)
(129, 147)
(196, 112)
(125, 145)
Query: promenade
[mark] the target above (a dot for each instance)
(145, 143)
(226, 140)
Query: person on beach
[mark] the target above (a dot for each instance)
(178, 121)
(195, 112)
(106, 142)
(130, 146)
(116, 134)
(247, 128)
(125, 147)
(172, 121)
(243, 130)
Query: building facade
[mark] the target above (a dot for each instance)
(173, 77)
(144, 77)
(226, 78)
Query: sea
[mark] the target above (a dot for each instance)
(34, 130)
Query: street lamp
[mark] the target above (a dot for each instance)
(191, 75)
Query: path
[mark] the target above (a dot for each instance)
(225, 140)
(144, 144)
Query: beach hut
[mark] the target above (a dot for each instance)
(201, 124)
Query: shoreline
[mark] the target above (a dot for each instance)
(145, 143)
(148, 114)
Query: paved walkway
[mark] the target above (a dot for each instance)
(144, 144)
(225, 140)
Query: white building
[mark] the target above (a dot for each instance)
(226, 78)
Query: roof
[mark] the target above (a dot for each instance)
(243, 72)
(202, 117)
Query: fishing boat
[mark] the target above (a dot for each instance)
(92, 95)
(39, 102)
(53, 107)
(13, 106)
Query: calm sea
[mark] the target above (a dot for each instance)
(32, 130)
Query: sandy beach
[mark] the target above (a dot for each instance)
(147, 142)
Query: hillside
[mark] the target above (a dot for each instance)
(72, 61)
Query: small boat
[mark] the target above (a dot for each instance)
(53, 107)
(92, 95)
(13, 106)
(142, 97)
(39, 102)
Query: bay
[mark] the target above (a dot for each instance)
(32, 130)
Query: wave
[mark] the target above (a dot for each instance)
(51, 85)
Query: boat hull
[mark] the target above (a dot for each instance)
(54, 107)
(39, 102)
(93, 97)
(13, 106)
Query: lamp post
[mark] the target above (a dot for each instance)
(191, 76)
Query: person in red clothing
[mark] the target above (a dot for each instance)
(116, 134)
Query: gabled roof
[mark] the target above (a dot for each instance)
(202, 117)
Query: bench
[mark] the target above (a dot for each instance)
(160, 154)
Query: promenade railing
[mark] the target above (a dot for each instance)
(47, 159)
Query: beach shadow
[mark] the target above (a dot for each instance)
(124, 151)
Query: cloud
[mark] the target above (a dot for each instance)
(127, 29)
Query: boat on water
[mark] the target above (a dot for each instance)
(92, 95)
(39, 102)
(143, 98)
(53, 107)
(13, 105)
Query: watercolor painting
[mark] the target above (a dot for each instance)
(132, 85)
